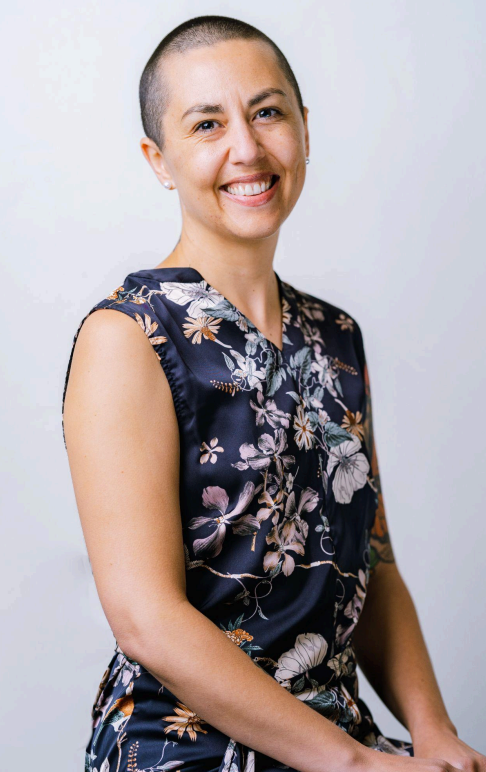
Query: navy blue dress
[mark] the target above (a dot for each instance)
(277, 504)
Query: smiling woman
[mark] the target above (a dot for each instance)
(251, 127)
(220, 440)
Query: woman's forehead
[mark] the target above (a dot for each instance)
(213, 75)
(211, 108)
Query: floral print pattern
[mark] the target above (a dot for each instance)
(281, 509)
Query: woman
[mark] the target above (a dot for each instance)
(228, 486)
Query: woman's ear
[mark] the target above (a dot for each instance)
(156, 160)
(306, 130)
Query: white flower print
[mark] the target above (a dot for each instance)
(326, 370)
(200, 295)
(127, 670)
(313, 400)
(229, 760)
(309, 651)
(247, 371)
(253, 338)
(289, 484)
(352, 469)
(250, 763)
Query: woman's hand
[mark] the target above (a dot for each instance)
(374, 761)
(445, 744)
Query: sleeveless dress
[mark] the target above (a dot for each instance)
(277, 504)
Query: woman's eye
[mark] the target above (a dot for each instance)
(204, 123)
(202, 127)
(266, 109)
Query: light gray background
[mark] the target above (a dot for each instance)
(388, 227)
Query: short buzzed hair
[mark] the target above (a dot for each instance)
(195, 33)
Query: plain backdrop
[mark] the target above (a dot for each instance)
(389, 226)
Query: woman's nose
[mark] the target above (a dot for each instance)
(244, 145)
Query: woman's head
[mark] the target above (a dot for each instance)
(220, 102)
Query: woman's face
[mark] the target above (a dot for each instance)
(222, 125)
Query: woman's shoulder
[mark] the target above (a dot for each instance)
(140, 298)
(321, 310)
(141, 295)
(133, 299)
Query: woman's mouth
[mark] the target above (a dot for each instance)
(254, 193)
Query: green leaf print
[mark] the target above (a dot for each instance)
(335, 434)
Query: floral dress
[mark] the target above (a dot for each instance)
(279, 497)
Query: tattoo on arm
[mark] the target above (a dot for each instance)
(381, 550)
(380, 543)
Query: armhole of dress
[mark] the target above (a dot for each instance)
(360, 351)
(152, 335)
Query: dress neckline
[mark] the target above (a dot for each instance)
(189, 274)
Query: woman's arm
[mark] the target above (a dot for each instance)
(123, 445)
(389, 644)
(391, 650)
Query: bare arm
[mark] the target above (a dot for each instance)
(389, 643)
(392, 653)
(123, 446)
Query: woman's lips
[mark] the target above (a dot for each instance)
(258, 200)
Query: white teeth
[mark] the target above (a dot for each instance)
(249, 189)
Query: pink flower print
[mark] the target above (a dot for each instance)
(215, 497)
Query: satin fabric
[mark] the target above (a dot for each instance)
(277, 505)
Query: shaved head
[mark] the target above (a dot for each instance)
(154, 90)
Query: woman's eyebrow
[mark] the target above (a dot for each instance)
(205, 108)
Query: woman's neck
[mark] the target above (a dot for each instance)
(243, 274)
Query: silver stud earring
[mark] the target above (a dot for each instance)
(167, 185)
(307, 160)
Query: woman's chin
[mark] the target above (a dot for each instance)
(245, 228)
